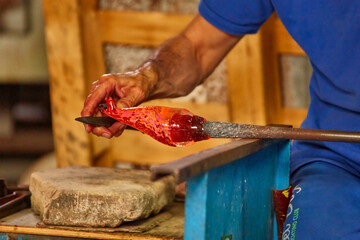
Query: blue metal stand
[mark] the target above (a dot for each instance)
(234, 201)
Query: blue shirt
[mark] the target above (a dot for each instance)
(329, 33)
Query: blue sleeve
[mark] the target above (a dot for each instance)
(238, 17)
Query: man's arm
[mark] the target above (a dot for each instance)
(174, 69)
(186, 60)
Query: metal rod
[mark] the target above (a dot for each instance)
(235, 130)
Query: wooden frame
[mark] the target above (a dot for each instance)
(276, 41)
(76, 31)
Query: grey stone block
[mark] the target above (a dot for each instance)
(97, 197)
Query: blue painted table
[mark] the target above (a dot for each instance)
(229, 189)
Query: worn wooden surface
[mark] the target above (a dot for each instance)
(140, 28)
(67, 81)
(13, 236)
(94, 63)
(25, 222)
(254, 81)
(284, 43)
(236, 199)
(277, 41)
(246, 82)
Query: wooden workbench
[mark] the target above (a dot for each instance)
(169, 224)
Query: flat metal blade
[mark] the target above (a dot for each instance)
(97, 121)
(101, 122)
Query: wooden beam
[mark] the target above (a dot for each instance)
(283, 41)
(272, 84)
(140, 28)
(67, 81)
(276, 41)
(293, 116)
(53, 233)
(246, 82)
(94, 61)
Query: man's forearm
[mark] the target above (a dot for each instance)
(173, 68)
(183, 62)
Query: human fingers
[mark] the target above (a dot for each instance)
(116, 86)
(131, 95)
(99, 91)
(89, 128)
(127, 90)
(102, 132)
(114, 130)
(117, 129)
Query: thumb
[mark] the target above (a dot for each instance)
(122, 104)
(130, 100)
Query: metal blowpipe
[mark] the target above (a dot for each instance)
(235, 130)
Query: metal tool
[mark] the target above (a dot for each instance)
(13, 201)
(100, 121)
(247, 131)
(97, 121)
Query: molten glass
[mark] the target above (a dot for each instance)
(171, 126)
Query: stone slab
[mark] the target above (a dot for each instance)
(97, 197)
(138, 226)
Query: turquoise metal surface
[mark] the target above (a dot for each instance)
(235, 199)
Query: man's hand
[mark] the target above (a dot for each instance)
(127, 90)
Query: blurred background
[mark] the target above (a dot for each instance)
(25, 117)
(264, 80)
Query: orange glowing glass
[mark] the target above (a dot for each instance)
(171, 126)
